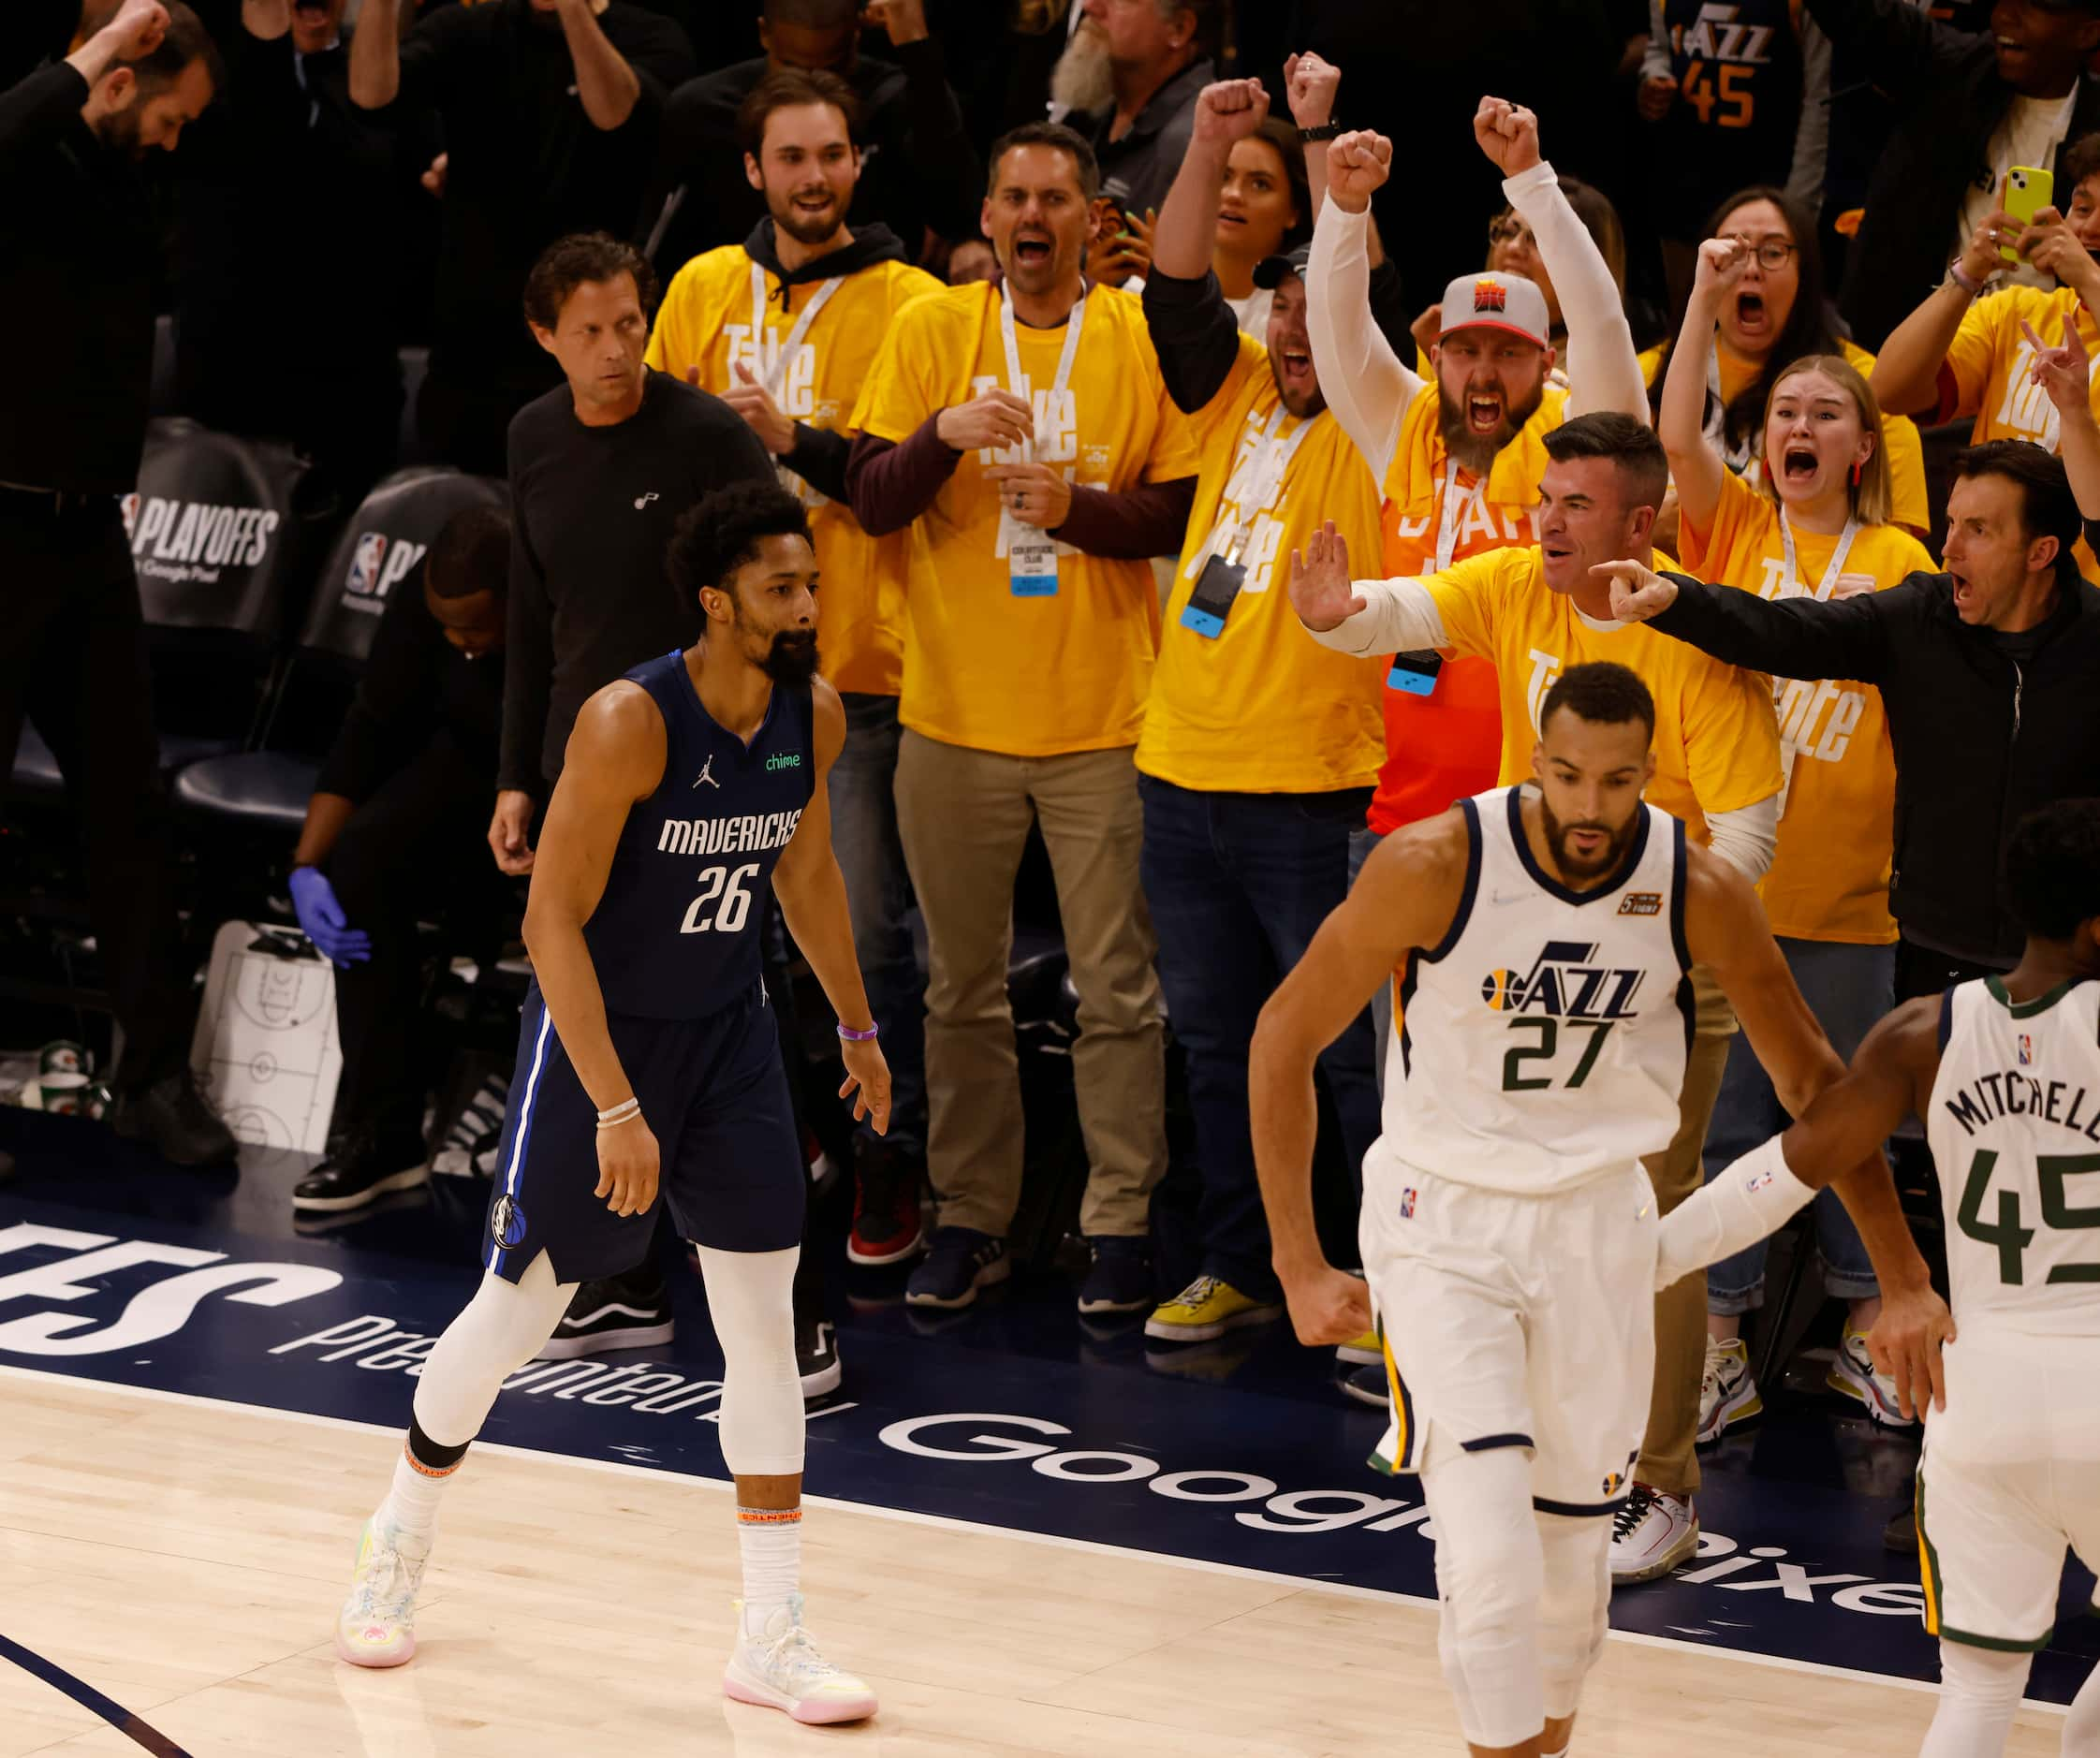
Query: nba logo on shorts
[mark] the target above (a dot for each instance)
(507, 1223)
(1407, 1203)
(364, 564)
(2026, 1051)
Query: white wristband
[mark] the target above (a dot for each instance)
(1751, 1198)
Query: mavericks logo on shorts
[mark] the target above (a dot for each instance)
(506, 1221)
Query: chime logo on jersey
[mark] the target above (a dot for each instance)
(1564, 985)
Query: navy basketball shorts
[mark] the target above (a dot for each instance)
(714, 1094)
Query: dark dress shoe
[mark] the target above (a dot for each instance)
(174, 1119)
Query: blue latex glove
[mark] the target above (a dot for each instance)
(319, 913)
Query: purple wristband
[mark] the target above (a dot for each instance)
(851, 1036)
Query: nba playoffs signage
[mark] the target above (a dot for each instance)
(377, 565)
(1101, 1451)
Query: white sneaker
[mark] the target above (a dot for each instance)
(1653, 1533)
(376, 1626)
(1852, 1373)
(779, 1667)
(1727, 1393)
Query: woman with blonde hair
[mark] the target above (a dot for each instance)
(1811, 517)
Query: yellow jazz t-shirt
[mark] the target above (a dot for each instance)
(705, 321)
(1716, 740)
(1260, 709)
(1898, 432)
(1028, 676)
(1828, 879)
(1986, 372)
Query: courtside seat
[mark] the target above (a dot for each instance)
(260, 786)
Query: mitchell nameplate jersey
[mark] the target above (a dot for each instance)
(676, 934)
(2014, 1132)
(1542, 1042)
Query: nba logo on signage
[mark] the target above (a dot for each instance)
(364, 564)
(2026, 1051)
(376, 565)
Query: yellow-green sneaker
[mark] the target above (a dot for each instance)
(1208, 1308)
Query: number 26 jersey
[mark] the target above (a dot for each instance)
(1542, 1043)
(676, 934)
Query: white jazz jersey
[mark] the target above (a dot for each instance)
(1541, 1044)
(2015, 1131)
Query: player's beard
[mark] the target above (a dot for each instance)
(1083, 78)
(791, 660)
(1476, 452)
(1571, 865)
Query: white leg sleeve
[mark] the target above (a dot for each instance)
(1748, 1199)
(1979, 1694)
(1490, 1578)
(2081, 1727)
(1574, 1609)
(750, 1297)
(495, 1334)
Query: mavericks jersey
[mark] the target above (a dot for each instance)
(676, 934)
(1542, 1042)
(2014, 1132)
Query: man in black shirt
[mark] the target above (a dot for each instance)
(600, 470)
(75, 272)
(298, 234)
(1132, 75)
(550, 110)
(393, 833)
(919, 172)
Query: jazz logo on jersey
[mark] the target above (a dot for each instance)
(2026, 1051)
(1489, 295)
(1563, 984)
(1407, 1203)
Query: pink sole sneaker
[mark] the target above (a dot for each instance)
(399, 1655)
(816, 1710)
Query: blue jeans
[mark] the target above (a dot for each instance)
(1238, 884)
(878, 895)
(1363, 840)
(1847, 989)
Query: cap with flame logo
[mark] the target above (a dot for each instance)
(1494, 301)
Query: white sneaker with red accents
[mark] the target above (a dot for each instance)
(777, 1665)
(1852, 1373)
(1653, 1533)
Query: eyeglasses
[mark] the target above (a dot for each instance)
(1509, 231)
(1772, 252)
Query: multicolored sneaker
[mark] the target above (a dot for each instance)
(376, 1626)
(1208, 1308)
(1852, 1373)
(1727, 1393)
(1361, 1352)
(1651, 1534)
(777, 1666)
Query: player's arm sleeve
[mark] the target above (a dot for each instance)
(1603, 368)
(1195, 334)
(1791, 638)
(1399, 616)
(528, 667)
(1366, 384)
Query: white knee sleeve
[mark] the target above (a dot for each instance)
(1490, 1578)
(1979, 1694)
(750, 1297)
(2081, 1727)
(1574, 1609)
(495, 1334)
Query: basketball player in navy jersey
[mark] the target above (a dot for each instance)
(691, 787)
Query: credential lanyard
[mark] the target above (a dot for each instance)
(773, 376)
(1257, 480)
(1793, 582)
(1447, 519)
(1015, 381)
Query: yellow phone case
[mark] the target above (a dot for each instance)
(2028, 190)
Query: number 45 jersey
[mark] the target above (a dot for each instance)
(676, 934)
(1542, 1043)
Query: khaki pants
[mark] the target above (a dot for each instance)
(965, 816)
(1668, 1460)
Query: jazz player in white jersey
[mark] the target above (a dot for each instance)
(1509, 1227)
(2006, 1074)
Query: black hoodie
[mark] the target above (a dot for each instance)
(819, 456)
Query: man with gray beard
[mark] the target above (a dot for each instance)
(1131, 76)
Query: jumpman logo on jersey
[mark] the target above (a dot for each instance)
(707, 773)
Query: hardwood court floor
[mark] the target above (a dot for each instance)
(186, 1559)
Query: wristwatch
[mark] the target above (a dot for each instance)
(1325, 131)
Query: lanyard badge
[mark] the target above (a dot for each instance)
(1032, 552)
(1250, 490)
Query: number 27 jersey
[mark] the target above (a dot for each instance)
(1542, 1043)
(676, 934)
(2014, 1132)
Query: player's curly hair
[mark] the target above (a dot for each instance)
(1600, 692)
(723, 532)
(2053, 869)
